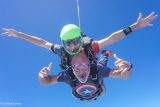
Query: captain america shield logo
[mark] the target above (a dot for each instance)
(86, 89)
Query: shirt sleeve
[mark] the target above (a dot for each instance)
(95, 47)
(103, 71)
(56, 49)
(63, 77)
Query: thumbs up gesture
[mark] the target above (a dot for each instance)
(45, 71)
(121, 65)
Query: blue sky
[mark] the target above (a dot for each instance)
(21, 61)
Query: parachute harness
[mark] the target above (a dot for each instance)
(66, 67)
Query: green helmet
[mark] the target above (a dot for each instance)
(71, 39)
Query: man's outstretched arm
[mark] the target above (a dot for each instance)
(116, 36)
(32, 39)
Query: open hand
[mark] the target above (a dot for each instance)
(144, 22)
(10, 32)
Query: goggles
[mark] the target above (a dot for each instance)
(73, 46)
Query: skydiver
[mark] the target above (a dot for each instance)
(74, 44)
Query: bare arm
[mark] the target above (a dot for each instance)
(120, 74)
(116, 36)
(33, 39)
(50, 79)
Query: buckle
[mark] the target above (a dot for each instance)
(94, 77)
(73, 79)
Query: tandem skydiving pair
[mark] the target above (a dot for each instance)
(78, 53)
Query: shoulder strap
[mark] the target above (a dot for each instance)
(87, 40)
(92, 59)
(65, 60)
(66, 67)
(72, 78)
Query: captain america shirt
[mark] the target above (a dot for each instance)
(88, 88)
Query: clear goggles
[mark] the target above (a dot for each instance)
(74, 45)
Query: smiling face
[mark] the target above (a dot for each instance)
(81, 68)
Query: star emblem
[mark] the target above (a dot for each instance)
(86, 91)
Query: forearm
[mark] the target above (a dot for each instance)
(120, 34)
(134, 26)
(48, 80)
(126, 74)
(44, 81)
(32, 39)
(120, 74)
(116, 36)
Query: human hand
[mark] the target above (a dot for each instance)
(144, 22)
(45, 71)
(121, 65)
(10, 32)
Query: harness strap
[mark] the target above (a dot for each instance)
(65, 65)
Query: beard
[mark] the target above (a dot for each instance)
(83, 78)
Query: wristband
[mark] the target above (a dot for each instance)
(127, 30)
